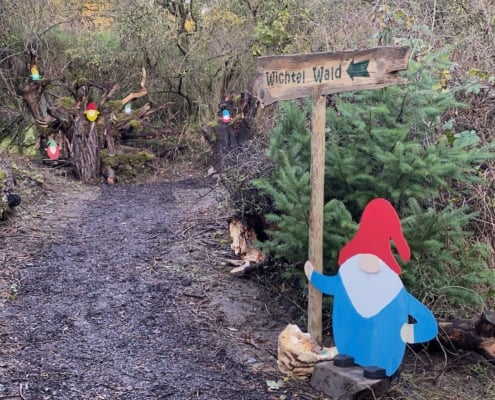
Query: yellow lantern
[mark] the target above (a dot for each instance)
(91, 112)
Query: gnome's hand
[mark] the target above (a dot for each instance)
(308, 269)
(407, 333)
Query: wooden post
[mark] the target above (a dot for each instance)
(315, 253)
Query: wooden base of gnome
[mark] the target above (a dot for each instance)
(298, 353)
(347, 383)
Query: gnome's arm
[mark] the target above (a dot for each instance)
(325, 284)
(425, 327)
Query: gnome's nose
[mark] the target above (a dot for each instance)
(369, 263)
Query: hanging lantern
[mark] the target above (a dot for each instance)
(52, 149)
(226, 118)
(128, 108)
(91, 112)
(35, 75)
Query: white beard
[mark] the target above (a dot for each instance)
(369, 293)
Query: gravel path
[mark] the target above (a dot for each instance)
(121, 293)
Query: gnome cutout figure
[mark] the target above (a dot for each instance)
(52, 149)
(371, 307)
(91, 112)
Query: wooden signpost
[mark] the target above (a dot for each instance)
(319, 74)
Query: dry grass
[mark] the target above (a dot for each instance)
(424, 376)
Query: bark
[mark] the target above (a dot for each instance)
(86, 150)
(298, 353)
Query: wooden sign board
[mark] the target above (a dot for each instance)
(294, 76)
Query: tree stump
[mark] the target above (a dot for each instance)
(225, 136)
(85, 150)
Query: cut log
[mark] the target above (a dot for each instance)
(298, 353)
(243, 242)
(474, 335)
(81, 143)
(109, 174)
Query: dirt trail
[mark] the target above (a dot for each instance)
(122, 293)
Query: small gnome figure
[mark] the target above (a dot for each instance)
(371, 307)
(35, 75)
(52, 149)
(91, 112)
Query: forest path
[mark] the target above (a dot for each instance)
(122, 292)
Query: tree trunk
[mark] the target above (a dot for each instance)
(85, 150)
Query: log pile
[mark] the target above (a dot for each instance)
(58, 106)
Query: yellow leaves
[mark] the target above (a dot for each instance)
(219, 17)
(95, 11)
(445, 77)
(189, 25)
(477, 73)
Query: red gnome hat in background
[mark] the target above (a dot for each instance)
(378, 226)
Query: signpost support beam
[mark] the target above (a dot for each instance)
(315, 253)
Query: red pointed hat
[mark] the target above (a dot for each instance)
(91, 106)
(378, 226)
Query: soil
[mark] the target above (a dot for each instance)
(124, 292)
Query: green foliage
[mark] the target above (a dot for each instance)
(289, 187)
(388, 143)
(446, 265)
(128, 166)
(278, 26)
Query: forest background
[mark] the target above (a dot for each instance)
(196, 53)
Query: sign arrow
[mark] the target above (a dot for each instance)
(358, 69)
